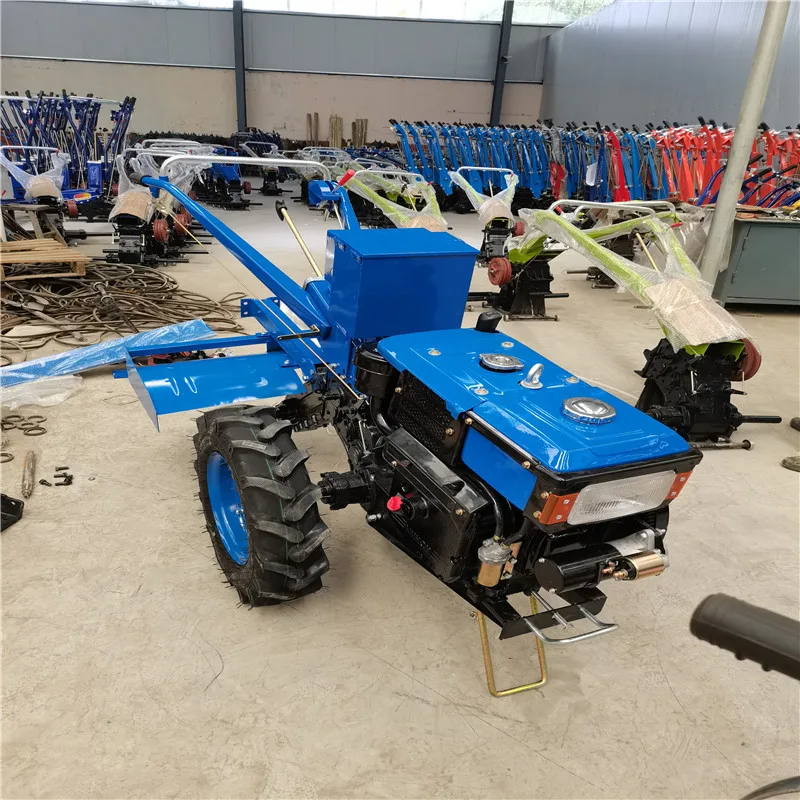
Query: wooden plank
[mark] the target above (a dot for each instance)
(26, 206)
(37, 276)
(44, 258)
(48, 220)
(29, 244)
(37, 228)
(77, 270)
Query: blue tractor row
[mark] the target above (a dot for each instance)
(497, 470)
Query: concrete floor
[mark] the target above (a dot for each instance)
(129, 670)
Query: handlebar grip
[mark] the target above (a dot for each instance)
(762, 172)
(755, 159)
(750, 632)
(346, 177)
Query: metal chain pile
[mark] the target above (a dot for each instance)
(111, 299)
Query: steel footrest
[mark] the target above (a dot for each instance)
(489, 666)
(599, 628)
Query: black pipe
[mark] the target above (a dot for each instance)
(377, 416)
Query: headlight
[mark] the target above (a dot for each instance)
(613, 499)
(620, 498)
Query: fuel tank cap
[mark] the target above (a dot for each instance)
(589, 410)
(499, 362)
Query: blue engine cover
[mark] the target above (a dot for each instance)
(448, 362)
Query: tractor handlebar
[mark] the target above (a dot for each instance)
(750, 632)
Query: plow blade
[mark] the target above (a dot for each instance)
(206, 383)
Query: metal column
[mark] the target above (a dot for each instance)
(238, 60)
(755, 92)
(502, 62)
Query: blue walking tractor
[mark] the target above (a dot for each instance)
(492, 467)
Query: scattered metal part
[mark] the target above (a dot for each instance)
(65, 482)
(61, 469)
(21, 423)
(28, 474)
(36, 430)
(10, 511)
(61, 475)
(6, 457)
(792, 463)
(43, 482)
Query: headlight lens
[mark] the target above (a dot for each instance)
(620, 498)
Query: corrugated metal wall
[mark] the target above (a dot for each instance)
(274, 41)
(638, 62)
(186, 37)
(370, 46)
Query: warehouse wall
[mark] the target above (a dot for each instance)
(297, 63)
(637, 62)
(167, 98)
(279, 101)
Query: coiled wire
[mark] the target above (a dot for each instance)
(110, 300)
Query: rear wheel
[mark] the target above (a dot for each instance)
(260, 505)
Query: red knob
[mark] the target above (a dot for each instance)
(346, 177)
(395, 503)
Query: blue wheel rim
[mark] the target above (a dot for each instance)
(226, 505)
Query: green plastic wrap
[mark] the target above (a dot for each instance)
(417, 193)
(680, 300)
(489, 207)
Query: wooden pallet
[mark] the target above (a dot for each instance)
(41, 253)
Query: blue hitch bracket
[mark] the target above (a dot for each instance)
(209, 382)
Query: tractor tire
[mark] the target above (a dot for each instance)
(260, 505)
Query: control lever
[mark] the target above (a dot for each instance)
(283, 214)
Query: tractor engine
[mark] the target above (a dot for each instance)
(495, 469)
(460, 498)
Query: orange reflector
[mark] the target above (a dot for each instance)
(677, 485)
(556, 509)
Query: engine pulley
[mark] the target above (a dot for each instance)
(160, 231)
(500, 271)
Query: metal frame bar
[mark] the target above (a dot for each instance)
(259, 265)
(238, 65)
(502, 63)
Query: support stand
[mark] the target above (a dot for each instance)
(489, 666)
